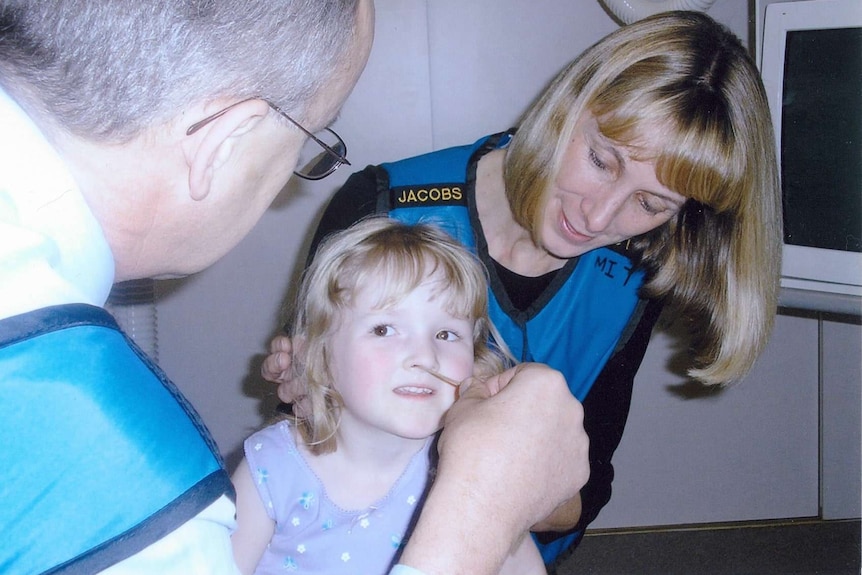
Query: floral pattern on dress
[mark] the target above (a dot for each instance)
(312, 534)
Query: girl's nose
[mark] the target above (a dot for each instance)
(422, 354)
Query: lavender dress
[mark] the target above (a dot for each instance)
(312, 534)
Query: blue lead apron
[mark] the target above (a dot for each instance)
(101, 455)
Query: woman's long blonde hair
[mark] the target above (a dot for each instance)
(402, 255)
(689, 78)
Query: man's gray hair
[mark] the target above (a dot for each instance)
(106, 69)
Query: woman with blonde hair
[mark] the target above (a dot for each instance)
(643, 176)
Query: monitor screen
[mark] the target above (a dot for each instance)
(821, 152)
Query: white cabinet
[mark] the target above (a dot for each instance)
(780, 444)
(841, 424)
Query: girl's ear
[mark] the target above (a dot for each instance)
(216, 143)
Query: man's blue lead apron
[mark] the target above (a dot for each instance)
(101, 454)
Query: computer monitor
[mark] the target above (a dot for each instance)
(810, 58)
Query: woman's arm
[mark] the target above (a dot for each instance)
(606, 410)
(254, 527)
(563, 518)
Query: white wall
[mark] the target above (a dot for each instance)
(442, 72)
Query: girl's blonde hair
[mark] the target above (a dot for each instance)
(684, 82)
(398, 257)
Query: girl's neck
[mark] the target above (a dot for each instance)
(364, 467)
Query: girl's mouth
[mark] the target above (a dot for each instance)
(414, 390)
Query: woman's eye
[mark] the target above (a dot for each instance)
(382, 330)
(447, 335)
(597, 162)
(650, 206)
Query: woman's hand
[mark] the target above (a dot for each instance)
(277, 369)
(276, 366)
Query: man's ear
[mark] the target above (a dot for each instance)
(216, 142)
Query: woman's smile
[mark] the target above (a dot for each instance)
(571, 231)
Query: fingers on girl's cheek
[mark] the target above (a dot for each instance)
(465, 385)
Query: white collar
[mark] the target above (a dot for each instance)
(52, 249)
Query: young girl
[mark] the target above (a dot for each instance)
(386, 313)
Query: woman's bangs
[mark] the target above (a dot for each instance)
(699, 159)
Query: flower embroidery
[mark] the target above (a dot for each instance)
(411, 500)
(262, 476)
(306, 500)
(345, 556)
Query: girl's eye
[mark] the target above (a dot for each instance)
(447, 335)
(597, 162)
(382, 330)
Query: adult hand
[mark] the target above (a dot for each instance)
(513, 449)
(276, 366)
(277, 369)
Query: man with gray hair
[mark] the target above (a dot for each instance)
(145, 139)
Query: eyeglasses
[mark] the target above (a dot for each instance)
(316, 165)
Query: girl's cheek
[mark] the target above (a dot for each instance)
(464, 368)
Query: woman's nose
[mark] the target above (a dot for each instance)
(601, 209)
